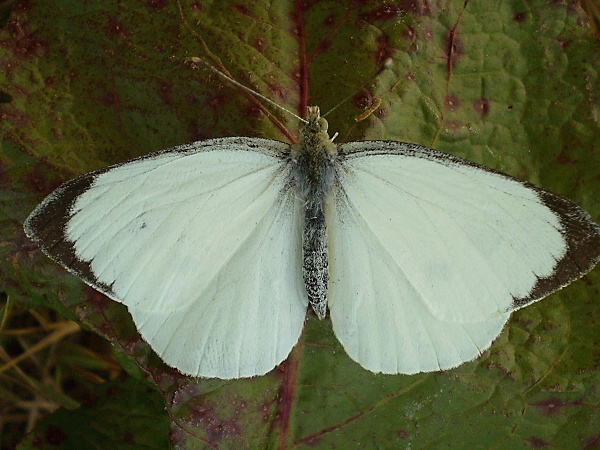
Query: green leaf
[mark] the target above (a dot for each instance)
(512, 85)
(123, 415)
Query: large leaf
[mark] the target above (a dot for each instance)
(510, 84)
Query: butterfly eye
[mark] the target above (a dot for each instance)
(323, 125)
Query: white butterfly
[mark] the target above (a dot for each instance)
(217, 247)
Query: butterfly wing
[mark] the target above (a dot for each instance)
(201, 242)
(429, 254)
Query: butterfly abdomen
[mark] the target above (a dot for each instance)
(315, 263)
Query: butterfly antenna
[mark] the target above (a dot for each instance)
(196, 60)
(386, 65)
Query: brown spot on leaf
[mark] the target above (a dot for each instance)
(552, 406)
(25, 41)
(452, 127)
(216, 432)
(402, 434)
(452, 102)
(115, 29)
(184, 394)
(265, 411)
(54, 435)
(537, 442)
(409, 34)
(164, 92)
(22, 5)
(157, 4)
(252, 110)
(283, 367)
(204, 414)
(277, 92)
(453, 48)
(564, 43)
(381, 112)
(562, 158)
(312, 441)
(386, 11)
(306, 4)
(259, 43)
(216, 101)
(198, 410)
(109, 98)
(216, 428)
(323, 46)
(90, 400)
(38, 179)
(571, 8)
(329, 20)
(362, 100)
(520, 17)
(482, 107)
(176, 436)
(593, 442)
(15, 117)
(420, 7)
(127, 436)
(384, 49)
(234, 428)
(4, 179)
(242, 9)
(7, 69)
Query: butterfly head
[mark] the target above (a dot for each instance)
(315, 121)
(314, 139)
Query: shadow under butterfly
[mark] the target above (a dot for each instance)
(217, 248)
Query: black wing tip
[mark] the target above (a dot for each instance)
(582, 237)
(46, 227)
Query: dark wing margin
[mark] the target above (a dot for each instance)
(582, 236)
(47, 223)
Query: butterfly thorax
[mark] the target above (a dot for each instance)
(314, 156)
